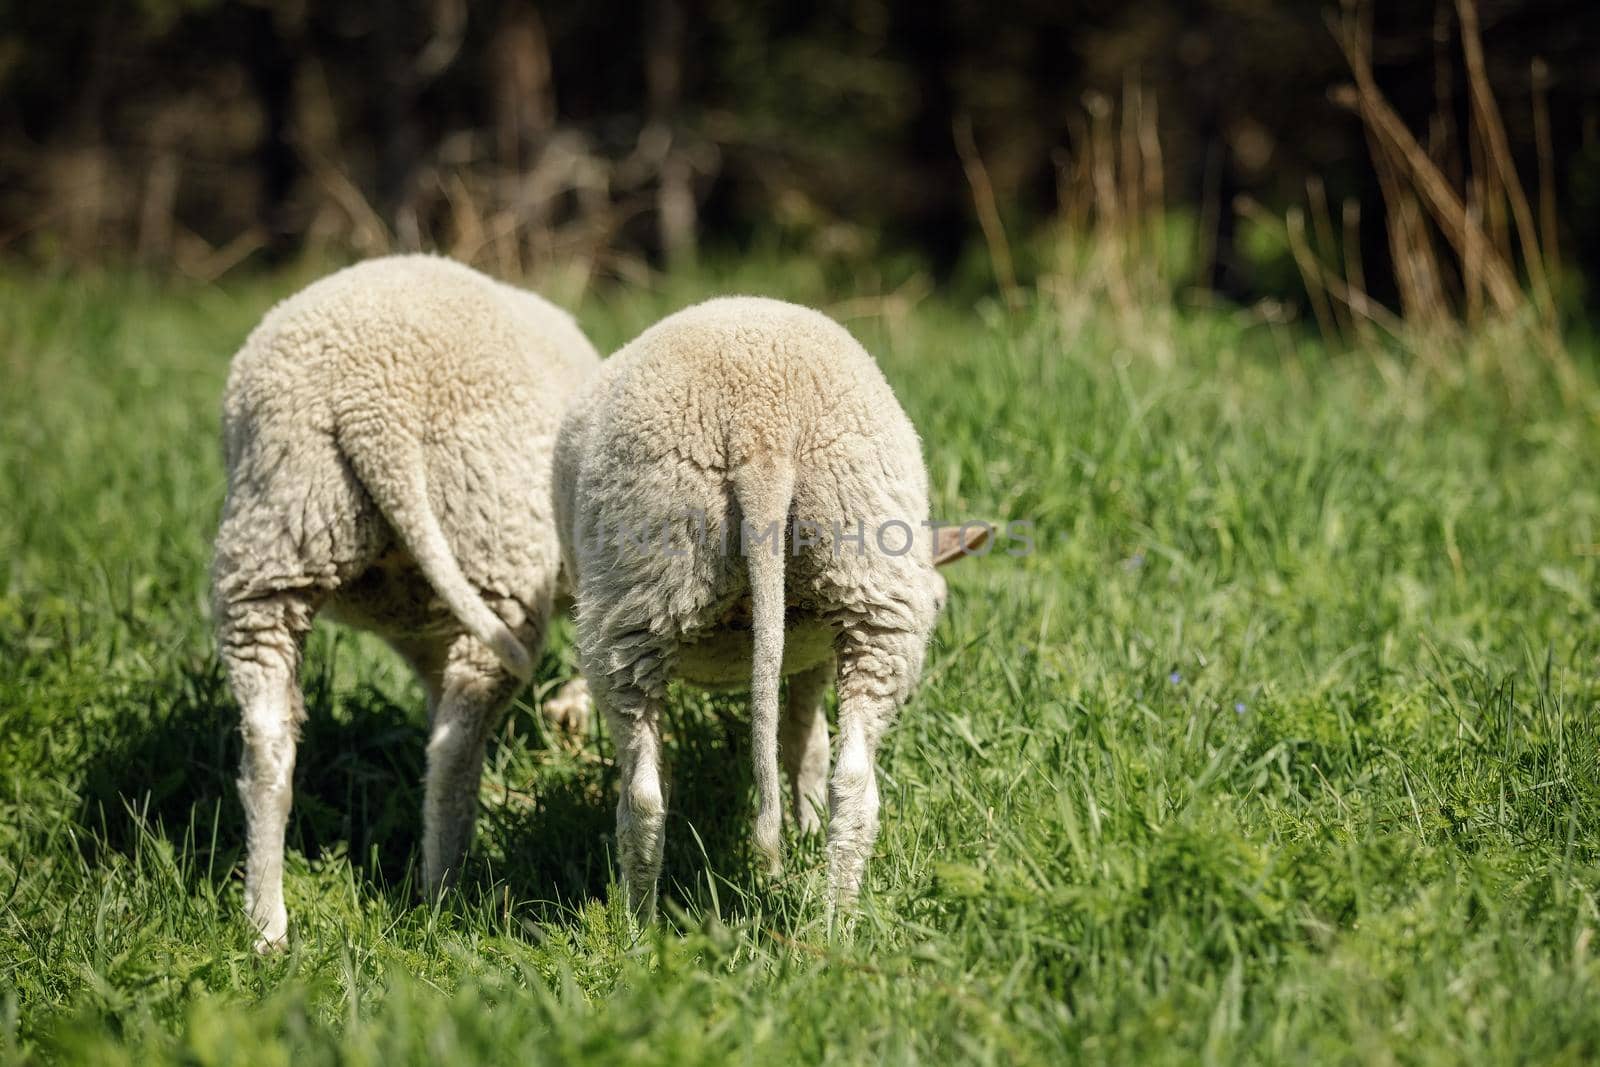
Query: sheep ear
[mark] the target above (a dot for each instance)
(957, 541)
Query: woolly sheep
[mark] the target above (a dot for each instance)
(713, 428)
(389, 433)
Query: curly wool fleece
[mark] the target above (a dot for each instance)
(389, 433)
(746, 413)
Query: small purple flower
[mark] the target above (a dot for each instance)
(1239, 707)
(1174, 677)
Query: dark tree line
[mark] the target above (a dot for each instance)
(212, 131)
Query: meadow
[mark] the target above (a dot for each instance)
(1281, 747)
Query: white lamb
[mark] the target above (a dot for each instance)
(389, 433)
(679, 468)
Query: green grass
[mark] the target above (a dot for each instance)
(1281, 748)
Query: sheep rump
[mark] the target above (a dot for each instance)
(713, 426)
(388, 435)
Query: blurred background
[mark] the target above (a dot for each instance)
(1432, 159)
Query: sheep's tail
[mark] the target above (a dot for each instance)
(764, 495)
(393, 470)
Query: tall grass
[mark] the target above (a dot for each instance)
(1282, 746)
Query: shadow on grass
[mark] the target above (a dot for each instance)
(174, 761)
(560, 849)
(358, 786)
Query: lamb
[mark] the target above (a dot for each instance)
(679, 468)
(389, 433)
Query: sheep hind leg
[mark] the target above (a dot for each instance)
(472, 690)
(872, 682)
(634, 722)
(262, 643)
(803, 745)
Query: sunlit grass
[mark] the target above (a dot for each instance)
(1282, 745)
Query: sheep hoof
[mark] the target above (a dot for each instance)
(271, 946)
